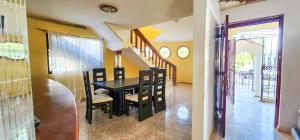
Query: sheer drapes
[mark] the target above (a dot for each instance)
(16, 106)
(69, 56)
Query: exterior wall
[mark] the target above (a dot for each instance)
(289, 88)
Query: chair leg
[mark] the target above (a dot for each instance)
(127, 108)
(86, 111)
(111, 110)
(90, 115)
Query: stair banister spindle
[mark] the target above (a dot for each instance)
(152, 56)
(141, 46)
(131, 36)
(145, 50)
(155, 60)
(136, 40)
(170, 71)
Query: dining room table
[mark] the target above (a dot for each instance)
(117, 90)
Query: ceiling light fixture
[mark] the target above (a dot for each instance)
(108, 8)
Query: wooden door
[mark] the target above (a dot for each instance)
(231, 69)
(221, 77)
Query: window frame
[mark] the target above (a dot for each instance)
(47, 47)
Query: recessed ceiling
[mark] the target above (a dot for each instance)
(175, 30)
(131, 13)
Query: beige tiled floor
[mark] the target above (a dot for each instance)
(249, 119)
(173, 124)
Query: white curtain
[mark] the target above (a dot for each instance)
(69, 56)
(16, 105)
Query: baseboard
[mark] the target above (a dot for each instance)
(188, 83)
(284, 130)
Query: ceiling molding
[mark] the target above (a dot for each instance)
(54, 21)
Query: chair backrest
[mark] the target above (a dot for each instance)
(145, 94)
(87, 86)
(99, 74)
(119, 73)
(159, 90)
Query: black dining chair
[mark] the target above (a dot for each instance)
(98, 75)
(143, 100)
(159, 97)
(119, 73)
(95, 101)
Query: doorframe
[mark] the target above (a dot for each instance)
(263, 20)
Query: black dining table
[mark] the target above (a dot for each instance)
(117, 91)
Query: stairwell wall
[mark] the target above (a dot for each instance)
(184, 66)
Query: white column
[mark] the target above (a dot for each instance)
(198, 68)
(206, 14)
(257, 73)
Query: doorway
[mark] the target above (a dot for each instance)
(254, 71)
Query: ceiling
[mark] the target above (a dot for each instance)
(227, 4)
(175, 31)
(132, 13)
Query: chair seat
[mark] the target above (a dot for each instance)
(134, 98)
(101, 98)
(101, 91)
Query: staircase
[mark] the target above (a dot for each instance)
(148, 53)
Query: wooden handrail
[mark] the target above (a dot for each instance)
(141, 42)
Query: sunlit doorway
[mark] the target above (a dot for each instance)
(253, 62)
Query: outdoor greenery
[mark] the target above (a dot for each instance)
(243, 60)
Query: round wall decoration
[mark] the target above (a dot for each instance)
(183, 52)
(165, 52)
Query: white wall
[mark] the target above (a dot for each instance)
(290, 90)
(206, 13)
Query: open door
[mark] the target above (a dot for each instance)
(221, 77)
(231, 69)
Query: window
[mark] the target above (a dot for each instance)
(165, 52)
(70, 53)
(183, 52)
(69, 56)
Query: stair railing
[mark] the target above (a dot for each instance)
(149, 51)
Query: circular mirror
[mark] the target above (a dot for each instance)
(183, 52)
(164, 52)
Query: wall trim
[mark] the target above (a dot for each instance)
(54, 21)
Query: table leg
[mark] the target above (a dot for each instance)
(119, 102)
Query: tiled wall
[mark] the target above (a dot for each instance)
(16, 108)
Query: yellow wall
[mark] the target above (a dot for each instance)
(184, 66)
(38, 50)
